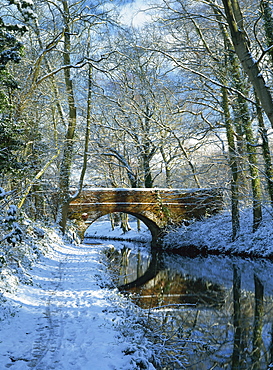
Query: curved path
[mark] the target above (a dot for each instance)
(70, 319)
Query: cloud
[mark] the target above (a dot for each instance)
(135, 14)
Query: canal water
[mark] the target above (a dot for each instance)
(207, 312)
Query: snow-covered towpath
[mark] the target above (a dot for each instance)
(69, 319)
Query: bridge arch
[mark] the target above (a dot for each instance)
(151, 225)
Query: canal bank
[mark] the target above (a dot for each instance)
(213, 235)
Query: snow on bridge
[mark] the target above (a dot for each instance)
(156, 207)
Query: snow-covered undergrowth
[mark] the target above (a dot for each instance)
(18, 248)
(67, 314)
(16, 260)
(214, 235)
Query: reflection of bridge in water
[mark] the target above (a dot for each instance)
(159, 286)
(157, 208)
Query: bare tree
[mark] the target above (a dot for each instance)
(56, 60)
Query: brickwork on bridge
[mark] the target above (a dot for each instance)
(157, 208)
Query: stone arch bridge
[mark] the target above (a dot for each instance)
(157, 208)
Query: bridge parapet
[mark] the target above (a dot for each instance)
(156, 207)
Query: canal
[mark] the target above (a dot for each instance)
(208, 312)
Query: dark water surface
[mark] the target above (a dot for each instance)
(208, 312)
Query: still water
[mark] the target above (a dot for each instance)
(208, 312)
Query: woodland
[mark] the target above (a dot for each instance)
(182, 98)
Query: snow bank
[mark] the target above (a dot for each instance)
(214, 235)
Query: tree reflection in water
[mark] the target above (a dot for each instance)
(197, 323)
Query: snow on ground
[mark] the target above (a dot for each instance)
(70, 318)
(212, 233)
(103, 229)
(215, 234)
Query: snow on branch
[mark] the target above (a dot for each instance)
(78, 65)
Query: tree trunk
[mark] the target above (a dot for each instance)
(244, 127)
(244, 123)
(268, 25)
(266, 152)
(250, 66)
(87, 134)
(167, 167)
(148, 180)
(124, 223)
(66, 164)
(252, 161)
(233, 166)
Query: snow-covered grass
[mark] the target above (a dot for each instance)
(214, 235)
